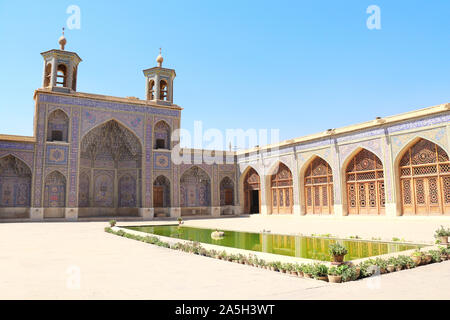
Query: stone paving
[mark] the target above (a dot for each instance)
(80, 261)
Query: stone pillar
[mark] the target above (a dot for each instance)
(157, 87)
(69, 76)
(339, 208)
(296, 185)
(175, 212)
(54, 73)
(390, 190)
(71, 214)
(147, 213)
(215, 211)
(37, 214)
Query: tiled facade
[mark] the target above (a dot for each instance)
(74, 170)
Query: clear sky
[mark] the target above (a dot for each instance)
(298, 66)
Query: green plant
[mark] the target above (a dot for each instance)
(442, 232)
(180, 220)
(319, 270)
(348, 273)
(112, 223)
(435, 255)
(337, 249)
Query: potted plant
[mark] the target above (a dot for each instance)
(416, 256)
(391, 264)
(338, 252)
(180, 221)
(299, 269)
(442, 234)
(112, 223)
(349, 272)
(307, 270)
(273, 266)
(335, 274)
(381, 264)
(428, 257)
(443, 253)
(320, 272)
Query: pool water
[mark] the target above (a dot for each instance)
(287, 245)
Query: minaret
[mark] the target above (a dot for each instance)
(159, 82)
(61, 68)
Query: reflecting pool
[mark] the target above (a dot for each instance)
(288, 245)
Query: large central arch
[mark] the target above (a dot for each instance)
(110, 172)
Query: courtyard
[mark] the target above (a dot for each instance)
(63, 260)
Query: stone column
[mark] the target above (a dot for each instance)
(390, 190)
(297, 184)
(54, 73)
(339, 208)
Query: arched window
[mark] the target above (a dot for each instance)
(58, 126)
(252, 187)
(425, 179)
(281, 190)
(61, 76)
(15, 183)
(151, 90)
(162, 135)
(226, 192)
(48, 75)
(365, 184)
(163, 90)
(55, 190)
(319, 187)
(161, 192)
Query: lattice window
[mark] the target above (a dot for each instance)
(424, 169)
(318, 183)
(365, 181)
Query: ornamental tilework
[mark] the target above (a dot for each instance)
(371, 145)
(57, 155)
(161, 160)
(84, 102)
(148, 203)
(26, 157)
(39, 158)
(74, 155)
(91, 119)
(438, 136)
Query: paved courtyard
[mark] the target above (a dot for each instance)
(46, 260)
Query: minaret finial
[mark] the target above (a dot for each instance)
(62, 41)
(159, 59)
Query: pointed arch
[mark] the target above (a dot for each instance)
(281, 189)
(317, 179)
(111, 164)
(58, 126)
(226, 191)
(364, 179)
(161, 192)
(55, 190)
(250, 191)
(195, 188)
(423, 169)
(162, 135)
(15, 182)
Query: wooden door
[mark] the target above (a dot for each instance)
(158, 197)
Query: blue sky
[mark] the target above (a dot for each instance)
(298, 66)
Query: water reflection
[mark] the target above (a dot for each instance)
(294, 246)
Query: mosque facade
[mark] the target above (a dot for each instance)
(95, 156)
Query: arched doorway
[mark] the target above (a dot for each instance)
(281, 190)
(319, 187)
(15, 183)
(252, 196)
(226, 196)
(55, 195)
(110, 172)
(195, 192)
(425, 179)
(365, 184)
(161, 196)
